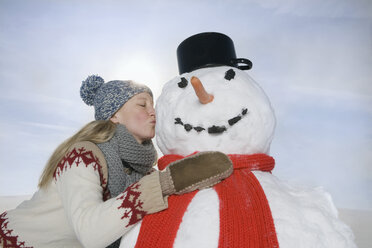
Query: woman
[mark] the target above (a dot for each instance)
(100, 182)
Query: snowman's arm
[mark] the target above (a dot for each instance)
(98, 223)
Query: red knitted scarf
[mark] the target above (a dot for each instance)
(241, 224)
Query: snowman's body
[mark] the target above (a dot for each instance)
(303, 217)
(240, 120)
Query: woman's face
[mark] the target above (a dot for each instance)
(138, 116)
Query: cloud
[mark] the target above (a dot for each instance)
(46, 126)
(321, 8)
(321, 134)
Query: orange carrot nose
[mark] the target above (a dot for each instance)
(201, 93)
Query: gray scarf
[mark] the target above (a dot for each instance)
(127, 160)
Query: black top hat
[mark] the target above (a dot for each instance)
(206, 50)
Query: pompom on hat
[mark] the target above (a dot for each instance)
(107, 98)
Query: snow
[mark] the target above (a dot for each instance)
(231, 97)
(10, 202)
(304, 216)
(200, 224)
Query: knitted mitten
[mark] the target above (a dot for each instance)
(198, 171)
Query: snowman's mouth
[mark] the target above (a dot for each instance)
(212, 129)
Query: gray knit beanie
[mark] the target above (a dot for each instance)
(107, 98)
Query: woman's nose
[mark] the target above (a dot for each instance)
(201, 93)
(151, 111)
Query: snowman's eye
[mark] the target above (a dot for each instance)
(230, 74)
(183, 83)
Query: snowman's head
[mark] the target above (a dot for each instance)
(238, 119)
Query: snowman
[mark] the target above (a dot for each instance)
(215, 106)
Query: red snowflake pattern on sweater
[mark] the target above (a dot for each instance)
(132, 204)
(80, 155)
(7, 240)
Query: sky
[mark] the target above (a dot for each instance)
(312, 58)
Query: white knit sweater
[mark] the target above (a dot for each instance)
(72, 211)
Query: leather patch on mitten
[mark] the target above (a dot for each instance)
(199, 171)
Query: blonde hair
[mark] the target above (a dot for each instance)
(95, 131)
